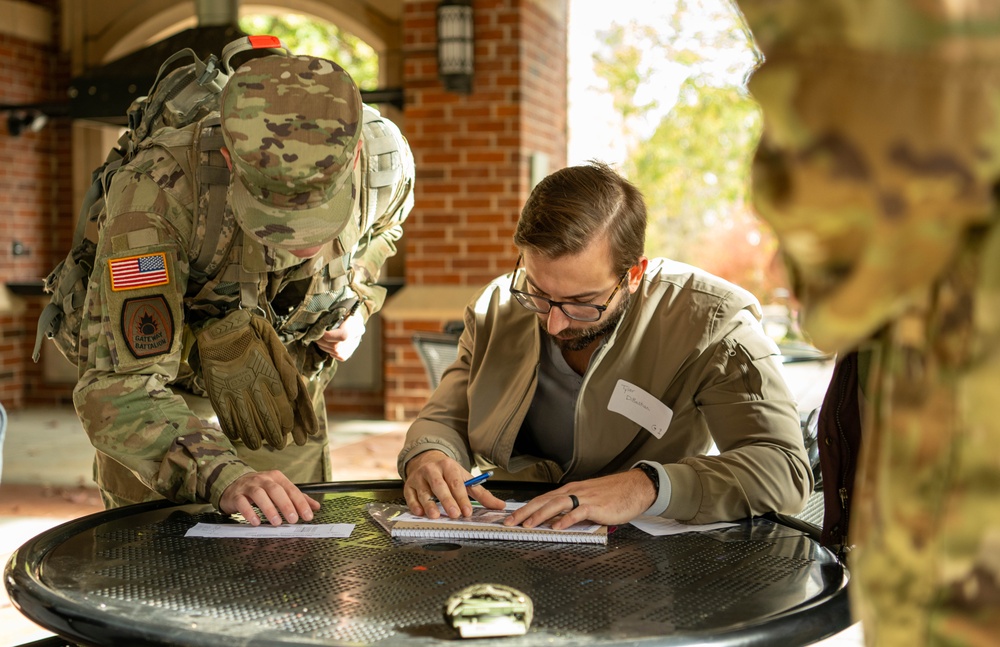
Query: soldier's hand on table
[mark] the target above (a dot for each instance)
(273, 494)
(609, 500)
(433, 475)
(340, 343)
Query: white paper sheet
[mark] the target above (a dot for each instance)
(658, 526)
(246, 531)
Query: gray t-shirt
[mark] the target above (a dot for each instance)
(548, 428)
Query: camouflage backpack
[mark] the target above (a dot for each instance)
(176, 99)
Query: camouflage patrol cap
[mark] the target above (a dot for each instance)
(292, 126)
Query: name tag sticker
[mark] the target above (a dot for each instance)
(641, 407)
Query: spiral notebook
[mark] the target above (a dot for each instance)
(482, 524)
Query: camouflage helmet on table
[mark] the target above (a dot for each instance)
(292, 125)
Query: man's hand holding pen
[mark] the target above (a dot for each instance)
(432, 478)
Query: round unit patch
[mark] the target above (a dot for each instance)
(147, 326)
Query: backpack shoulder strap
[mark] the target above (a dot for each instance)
(197, 150)
(213, 186)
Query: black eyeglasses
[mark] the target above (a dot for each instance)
(573, 310)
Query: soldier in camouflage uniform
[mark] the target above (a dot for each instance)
(319, 188)
(879, 170)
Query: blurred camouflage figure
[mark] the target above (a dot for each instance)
(192, 381)
(878, 170)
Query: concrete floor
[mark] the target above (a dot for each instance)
(47, 481)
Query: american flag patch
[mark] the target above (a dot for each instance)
(134, 272)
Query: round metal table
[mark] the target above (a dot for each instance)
(129, 576)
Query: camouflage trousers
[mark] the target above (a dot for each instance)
(309, 463)
(926, 520)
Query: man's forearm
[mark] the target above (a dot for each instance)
(155, 436)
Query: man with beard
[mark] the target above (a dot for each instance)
(597, 368)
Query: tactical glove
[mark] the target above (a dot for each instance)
(253, 384)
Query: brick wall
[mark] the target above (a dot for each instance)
(35, 209)
(472, 153)
(39, 211)
(473, 158)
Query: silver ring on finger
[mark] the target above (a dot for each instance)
(575, 501)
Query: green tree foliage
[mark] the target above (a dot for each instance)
(694, 168)
(693, 163)
(622, 69)
(305, 35)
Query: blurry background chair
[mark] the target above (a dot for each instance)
(813, 512)
(810, 520)
(438, 350)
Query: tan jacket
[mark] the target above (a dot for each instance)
(693, 341)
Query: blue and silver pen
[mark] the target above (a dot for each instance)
(476, 480)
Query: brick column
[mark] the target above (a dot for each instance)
(36, 189)
(473, 155)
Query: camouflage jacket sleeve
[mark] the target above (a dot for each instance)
(133, 342)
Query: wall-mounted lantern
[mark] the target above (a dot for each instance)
(456, 46)
(20, 121)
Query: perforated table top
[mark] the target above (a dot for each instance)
(129, 576)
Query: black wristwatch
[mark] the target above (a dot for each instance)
(652, 473)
